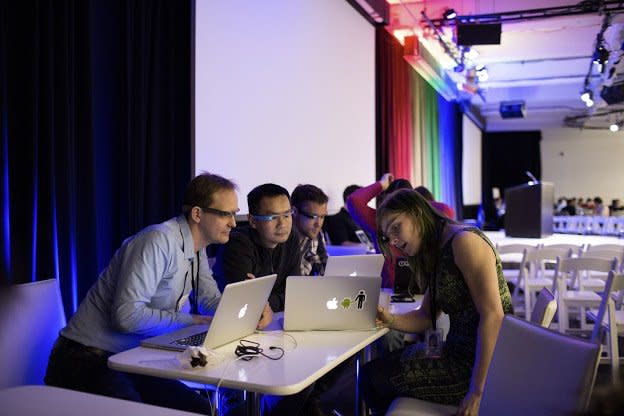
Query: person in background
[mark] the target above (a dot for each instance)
(364, 216)
(463, 276)
(599, 208)
(140, 294)
(309, 211)
(570, 208)
(440, 206)
(340, 227)
(264, 247)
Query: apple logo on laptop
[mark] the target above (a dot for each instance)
(242, 311)
(332, 304)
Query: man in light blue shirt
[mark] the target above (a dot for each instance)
(140, 294)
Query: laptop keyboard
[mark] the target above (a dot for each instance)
(193, 341)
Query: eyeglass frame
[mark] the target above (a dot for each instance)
(220, 213)
(272, 217)
(311, 216)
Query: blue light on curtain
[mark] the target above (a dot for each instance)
(448, 129)
(6, 218)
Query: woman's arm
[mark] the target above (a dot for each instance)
(357, 204)
(477, 262)
(417, 320)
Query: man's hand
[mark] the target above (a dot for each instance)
(266, 317)
(201, 319)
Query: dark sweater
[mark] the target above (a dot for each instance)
(244, 254)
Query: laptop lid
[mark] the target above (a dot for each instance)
(331, 302)
(355, 265)
(237, 316)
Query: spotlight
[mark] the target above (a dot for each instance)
(614, 127)
(459, 68)
(449, 14)
(471, 53)
(482, 73)
(587, 96)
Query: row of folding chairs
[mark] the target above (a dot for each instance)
(588, 225)
(577, 276)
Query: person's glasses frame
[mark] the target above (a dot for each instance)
(220, 213)
(311, 216)
(272, 217)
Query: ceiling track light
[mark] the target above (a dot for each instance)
(449, 14)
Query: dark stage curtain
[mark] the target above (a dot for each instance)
(95, 107)
(394, 108)
(506, 158)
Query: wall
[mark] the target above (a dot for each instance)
(584, 163)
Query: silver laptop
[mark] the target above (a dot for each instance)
(331, 302)
(356, 265)
(237, 316)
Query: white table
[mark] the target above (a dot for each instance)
(54, 401)
(314, 355)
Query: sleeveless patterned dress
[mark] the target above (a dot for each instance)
(447, 379)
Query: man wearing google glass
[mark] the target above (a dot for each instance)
(265, 246)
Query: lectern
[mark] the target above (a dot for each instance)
(529, 210)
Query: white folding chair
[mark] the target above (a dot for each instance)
(596, 281)
(571, 270)
(511, 254)
(611, 318)
(534, 275)
(545, 308)
(31, 315)
(534, 371)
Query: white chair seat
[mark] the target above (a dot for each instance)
(594, 284)
(539, 282)
(406, 406)
(619, 317)
(582, 296)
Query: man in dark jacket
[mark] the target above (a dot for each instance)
(266, 246)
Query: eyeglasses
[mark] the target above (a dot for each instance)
(220, 213)
(272, 217)
(312, 216)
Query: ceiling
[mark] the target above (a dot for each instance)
(543, 62)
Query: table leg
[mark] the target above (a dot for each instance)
(363, 356)
(253, 403)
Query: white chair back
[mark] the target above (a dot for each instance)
(31, 316)
(545, 308)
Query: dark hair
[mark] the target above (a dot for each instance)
(200, 190)
(394, 186)
(303, 193)
(426, 193)
(430, 223)
(267, 190)
(349, 190)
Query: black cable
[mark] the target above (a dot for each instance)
(248, 349)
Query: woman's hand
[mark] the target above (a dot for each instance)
(384, 317)
(385, 180)
(470, 405)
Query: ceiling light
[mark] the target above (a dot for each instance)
(471, 53)
(449, 14)
(614, 127)
(589, 103)
(586, 96)
(601, 55)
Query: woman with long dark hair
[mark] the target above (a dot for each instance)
(462, 273)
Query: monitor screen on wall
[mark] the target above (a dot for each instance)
(285, 93)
